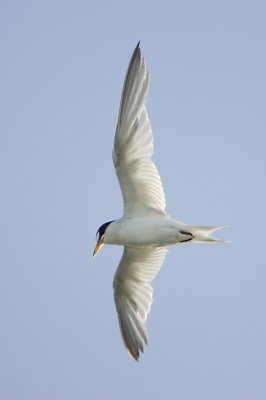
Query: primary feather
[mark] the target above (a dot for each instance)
(133, 293)
(139, 180)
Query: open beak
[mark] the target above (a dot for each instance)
(98, 246)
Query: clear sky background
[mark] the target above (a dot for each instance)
(62, 68)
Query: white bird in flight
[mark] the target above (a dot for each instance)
(145, 229)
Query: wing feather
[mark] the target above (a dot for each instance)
(138, 177)
(133, 294)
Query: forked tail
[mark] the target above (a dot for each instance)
(203, 233)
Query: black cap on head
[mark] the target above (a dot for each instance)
(102, 229)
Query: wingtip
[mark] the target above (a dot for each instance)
(134, 357)
(135, 353)
(137, 48)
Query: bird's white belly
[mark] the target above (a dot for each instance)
(143, 232)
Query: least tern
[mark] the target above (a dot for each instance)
(145, 229)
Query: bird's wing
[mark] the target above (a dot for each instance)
(133, 293)
(133, 146)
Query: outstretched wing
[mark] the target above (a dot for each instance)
(133, 293)
(133, 146)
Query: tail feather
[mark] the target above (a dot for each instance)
(203, 233)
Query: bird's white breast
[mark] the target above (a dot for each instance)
(144, 231)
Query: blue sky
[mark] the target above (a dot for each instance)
(62, 68)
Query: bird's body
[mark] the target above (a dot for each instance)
(145, 229)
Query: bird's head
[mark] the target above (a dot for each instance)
(100, 237)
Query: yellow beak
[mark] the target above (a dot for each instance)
(98, 246)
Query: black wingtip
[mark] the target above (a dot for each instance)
(135, 353)
(136, 54)
(137, 47)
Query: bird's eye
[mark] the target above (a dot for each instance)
(97, 236)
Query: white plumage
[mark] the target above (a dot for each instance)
(133, 147)
(145, 228)
(133, 293)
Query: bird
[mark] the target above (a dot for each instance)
(145, 229)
